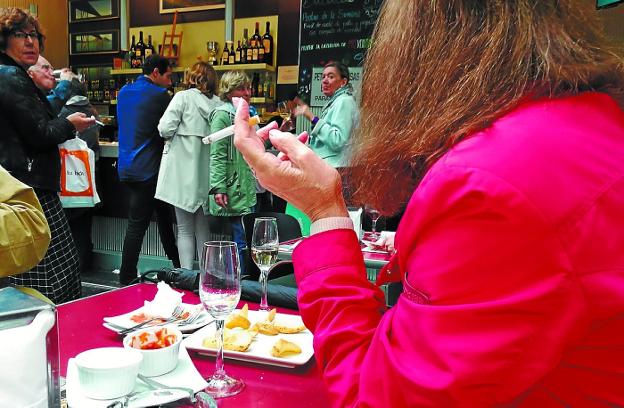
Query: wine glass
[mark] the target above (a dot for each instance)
(264, 247)
(285, 112)
(219, 291)
(374, 216)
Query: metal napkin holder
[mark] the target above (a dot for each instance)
(18, 309)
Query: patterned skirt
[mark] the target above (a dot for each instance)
(57, 276)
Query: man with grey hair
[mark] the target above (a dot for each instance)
(42, 75)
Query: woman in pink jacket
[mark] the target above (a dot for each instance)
(509, 154)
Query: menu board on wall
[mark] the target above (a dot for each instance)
(333, 30)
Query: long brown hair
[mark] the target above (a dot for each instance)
(450, 67)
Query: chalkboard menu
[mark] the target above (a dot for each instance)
(334, 30)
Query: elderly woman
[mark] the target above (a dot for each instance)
(183, 180)
(510, 248)
(28, 150)
(232, 184)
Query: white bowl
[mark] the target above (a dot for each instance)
(107, 372)
(158, 361)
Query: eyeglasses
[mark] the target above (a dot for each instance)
(20, 35)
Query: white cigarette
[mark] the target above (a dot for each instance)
(228, 131)
(97, 122)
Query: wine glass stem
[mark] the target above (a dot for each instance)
(219, 361)
(264, 304)
(374, 226)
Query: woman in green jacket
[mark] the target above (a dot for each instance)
(232, 184)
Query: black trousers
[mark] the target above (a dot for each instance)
(80, 222)
(142, 206)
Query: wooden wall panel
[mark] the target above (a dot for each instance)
(53, 16)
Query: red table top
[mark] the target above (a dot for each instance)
(80, 329)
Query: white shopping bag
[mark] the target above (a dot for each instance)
(77, 174)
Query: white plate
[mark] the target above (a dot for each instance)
(260, 349)
(118, 323)
(184, 375)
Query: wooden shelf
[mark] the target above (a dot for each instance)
(130, 71)
(245, 67)
(260, 100)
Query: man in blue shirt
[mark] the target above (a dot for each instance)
(140, 106)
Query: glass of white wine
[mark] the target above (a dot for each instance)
(219, 291)
(285, 112)
(264, 247)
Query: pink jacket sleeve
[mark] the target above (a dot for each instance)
(496, 279)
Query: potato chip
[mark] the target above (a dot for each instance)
(266, 328)
(283, 348)
(288, 328)
(239, 319)
(234, 340)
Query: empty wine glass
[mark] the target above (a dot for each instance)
(374, 216)
(220, 290)
(285, 112)
(264, 247)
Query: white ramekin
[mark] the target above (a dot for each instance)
(159, 361)
(108, 372)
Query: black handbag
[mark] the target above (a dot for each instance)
(179, 278)
(277, 295)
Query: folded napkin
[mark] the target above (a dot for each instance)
(377, 246)
(356, 217)
(165, 301)
(23, 378)
(290, 247)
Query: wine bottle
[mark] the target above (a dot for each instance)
(254, 84)
(140, 49)
(256, 37)
(245, 50)
(254, 53)
(267, 41)
(266, 87)
(249, 58)
(133, 59)
(260, 52)
(232, 54)
(237, 56)
(225, 55)
(149, 48)
(256, 40)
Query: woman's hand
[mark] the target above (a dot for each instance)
(302, 178)
(303, 110)
(386, 241)
(221, 200)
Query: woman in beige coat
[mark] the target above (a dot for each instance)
(184, 177)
